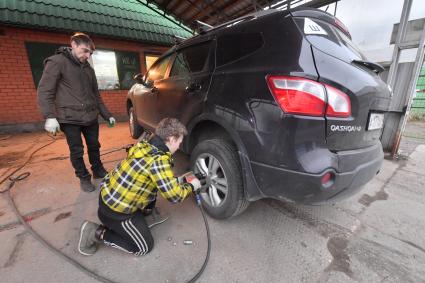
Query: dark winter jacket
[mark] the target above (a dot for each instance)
(68, 90)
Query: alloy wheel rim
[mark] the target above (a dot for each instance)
(216, 190)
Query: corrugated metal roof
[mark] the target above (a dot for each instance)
(216, 12)
(126, 19)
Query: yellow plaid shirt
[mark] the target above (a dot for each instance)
(135, 181)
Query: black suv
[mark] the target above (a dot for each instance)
(278, 104)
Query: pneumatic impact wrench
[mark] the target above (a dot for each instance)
(201, 177)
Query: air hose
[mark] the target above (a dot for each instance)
(60, 254)
(207, 228)
(25, 163)
(44, 242)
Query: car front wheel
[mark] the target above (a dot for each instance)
(223, 196)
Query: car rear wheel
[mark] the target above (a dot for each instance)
(135, 129)
(219, 162)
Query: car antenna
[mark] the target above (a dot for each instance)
(203, 27)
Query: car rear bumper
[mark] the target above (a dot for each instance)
(353, 169)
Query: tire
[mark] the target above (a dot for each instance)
(135, 129)
(224, 195)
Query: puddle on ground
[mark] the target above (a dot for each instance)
(28, 217)
(9, 158)
(15, 252)
(57, 158)
(341, 260)
(62, 216)
(367, 200)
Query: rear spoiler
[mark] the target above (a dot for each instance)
(374, 67)
(321, 15)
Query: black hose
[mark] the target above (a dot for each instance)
(25, 163)
(197, 275)
(3, 138)
(29, 228)
(44, 242)
(30, 157)
(58, 252)
(114, 150)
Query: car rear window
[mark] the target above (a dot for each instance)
(329, 39)
(232, 47)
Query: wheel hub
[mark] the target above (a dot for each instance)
(209, 181)
(215, 187)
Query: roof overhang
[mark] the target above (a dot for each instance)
(215, 12)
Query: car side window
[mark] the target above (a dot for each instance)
(157, 72)
(190, 60)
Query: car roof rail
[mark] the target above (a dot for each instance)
(178, 39)
(203, 27)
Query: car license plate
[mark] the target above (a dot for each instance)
(376, 121)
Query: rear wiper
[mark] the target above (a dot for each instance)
(376, 68)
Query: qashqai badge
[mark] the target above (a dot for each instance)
(341, 128)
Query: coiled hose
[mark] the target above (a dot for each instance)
(60, 254)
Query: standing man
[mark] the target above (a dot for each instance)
(128, 193)
(70, 101)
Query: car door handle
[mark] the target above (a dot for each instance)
(193, 87)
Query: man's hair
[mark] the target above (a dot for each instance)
(170, 127)
(80, 37)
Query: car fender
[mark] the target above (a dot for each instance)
(218, 120)
(252, 191)
(129, 98)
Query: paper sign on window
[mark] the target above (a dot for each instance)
(311, 27)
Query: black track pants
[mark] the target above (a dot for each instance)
(131, 235)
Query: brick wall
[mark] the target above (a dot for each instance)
(18, 95)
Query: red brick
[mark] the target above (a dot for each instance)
(17, 89)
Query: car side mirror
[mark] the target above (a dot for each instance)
(139, 78)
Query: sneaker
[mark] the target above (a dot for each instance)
(156, 218)
(86, 184)
(87, 245)
(100, 173)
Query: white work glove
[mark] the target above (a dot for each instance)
(182, 179)
(111, 121)
(195, 182)
(52, 126)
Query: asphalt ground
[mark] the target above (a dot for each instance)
(377, 235)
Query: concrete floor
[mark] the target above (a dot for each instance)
(376, 236)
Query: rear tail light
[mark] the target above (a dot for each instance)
(306, 97)
(339, 104)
